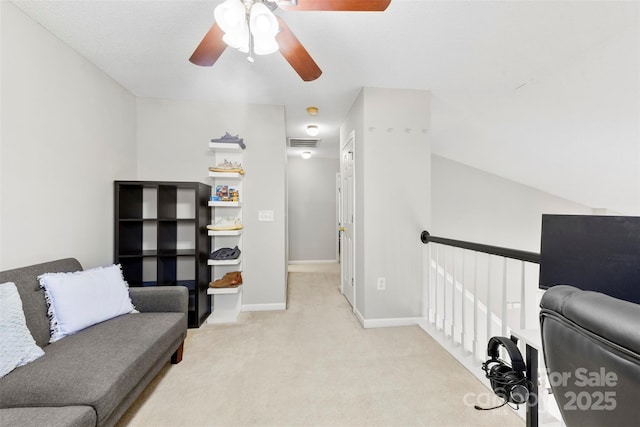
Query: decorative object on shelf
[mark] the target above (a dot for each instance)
(226, 223)
(226, 253)
(229, 280)
(224, 193)
(227, 166)
(225, 196)
(227, 138)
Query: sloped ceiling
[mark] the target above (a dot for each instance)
(544, 93)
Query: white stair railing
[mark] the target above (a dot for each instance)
(473, 292)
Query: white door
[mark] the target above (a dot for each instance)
(347, 251)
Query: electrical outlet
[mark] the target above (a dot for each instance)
(382, 284)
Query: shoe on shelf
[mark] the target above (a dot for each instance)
(230, 139)
(225, 253)
(227, 166)
(226, 223)
(229, 280)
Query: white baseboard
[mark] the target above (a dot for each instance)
(359, 316)
(313, 261)
(386, 323)
(264, 307)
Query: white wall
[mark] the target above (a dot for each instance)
(572, 130)
(313, 227)
(393, 177)
(173, 139)
(473, 205)
(68, 131)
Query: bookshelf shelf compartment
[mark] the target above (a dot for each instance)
(224, 261)
(221, 233)
(225, 147)
(225, 175)
(215, 204)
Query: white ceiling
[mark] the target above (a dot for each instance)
(544, 93)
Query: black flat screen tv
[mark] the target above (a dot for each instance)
(595, 253)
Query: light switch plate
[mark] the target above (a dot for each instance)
(265, 215)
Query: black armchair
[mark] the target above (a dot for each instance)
(591, 346)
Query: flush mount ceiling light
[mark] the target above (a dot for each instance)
(312, 130)
(312, 111)
(306, 155)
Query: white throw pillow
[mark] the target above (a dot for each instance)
(17, 346)
(83, 298)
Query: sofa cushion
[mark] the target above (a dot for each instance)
(97, 366)
(80, 299)
(33, 302)
(17, 345)
(68, 416)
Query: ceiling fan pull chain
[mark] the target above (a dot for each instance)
(250, 57)
(248, 6)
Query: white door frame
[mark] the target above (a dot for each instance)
(350, 140)
(338, 213)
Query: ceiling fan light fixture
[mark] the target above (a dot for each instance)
(238, 41)
(312, 130)
(264, 27)
(231, 16)
(265, 46)
(262, 21)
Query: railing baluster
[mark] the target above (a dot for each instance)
(463, 305)
(504, 297)
(523, 298)
(444, 293)
(435, 290)
(488, 300)
(453, 294)
(475, 307)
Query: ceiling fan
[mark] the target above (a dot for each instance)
(250, 25)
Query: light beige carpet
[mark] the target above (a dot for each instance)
(313, 365)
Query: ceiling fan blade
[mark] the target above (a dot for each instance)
(336, 5)
(295, 54)
(210, 48)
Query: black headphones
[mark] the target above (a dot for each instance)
(508, 382)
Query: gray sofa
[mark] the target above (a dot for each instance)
(92, 377)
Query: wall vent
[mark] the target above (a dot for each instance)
(303, 142)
